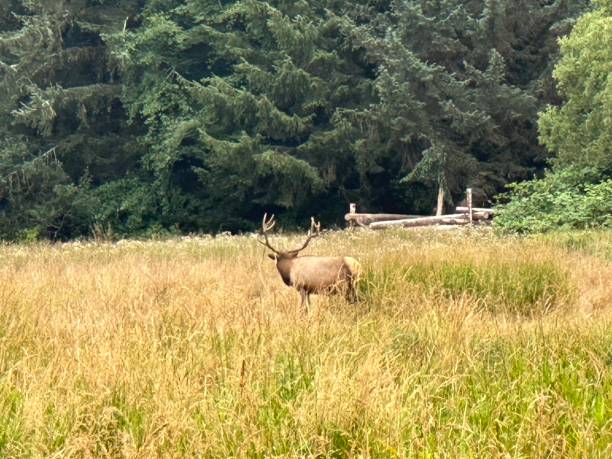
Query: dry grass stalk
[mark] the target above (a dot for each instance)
(463, 345)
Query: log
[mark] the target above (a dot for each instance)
(451, 219)
(464, 209)
(366, 219)
(488, 213)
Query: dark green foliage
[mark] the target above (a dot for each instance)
(126, 205)
(200, 115)
(37, 198)
(239, 103)
(59, 92)
(455, 108)
(577, 192)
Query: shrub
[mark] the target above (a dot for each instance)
(570, 198)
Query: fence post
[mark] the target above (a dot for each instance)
(352, 210)
(469, 204)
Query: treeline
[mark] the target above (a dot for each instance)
(136, 117)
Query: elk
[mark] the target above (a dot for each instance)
(312, 274)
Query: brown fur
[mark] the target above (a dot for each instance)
(310, 274)
(313, 274)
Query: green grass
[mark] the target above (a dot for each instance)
(594, 243)
(523, 287)
(463, 345)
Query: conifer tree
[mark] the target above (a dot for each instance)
(59, 92)
(457, 97)
(198, 115)
(239, 99)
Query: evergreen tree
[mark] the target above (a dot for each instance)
(191, 115)
(59, 92)
(239, 99)
(457, 97)
(577, 191)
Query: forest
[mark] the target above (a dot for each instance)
(136, 118)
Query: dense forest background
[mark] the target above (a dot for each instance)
(145, 116)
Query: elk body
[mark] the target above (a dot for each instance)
(311, 274)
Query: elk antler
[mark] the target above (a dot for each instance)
(267, 225)
(314, 231)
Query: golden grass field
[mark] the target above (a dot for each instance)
(464, 344)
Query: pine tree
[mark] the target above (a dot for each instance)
(194, 115)
(60, 92)
(240, 100)
(457, 98)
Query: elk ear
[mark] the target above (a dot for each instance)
(272, 256)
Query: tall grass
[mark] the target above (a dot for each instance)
(597, 243)
(464, 345)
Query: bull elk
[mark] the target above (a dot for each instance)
(312, 274)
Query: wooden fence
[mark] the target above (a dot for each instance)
(464, 215)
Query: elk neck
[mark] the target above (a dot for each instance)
(284, 264)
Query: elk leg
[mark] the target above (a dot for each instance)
(305, 300)
(350, 295)
(351, 292)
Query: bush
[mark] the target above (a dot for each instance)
(570, 198)
(126, 207)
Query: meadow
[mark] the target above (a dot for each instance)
(463, 344)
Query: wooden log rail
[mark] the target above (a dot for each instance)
(451, 219)
(464, 215)
(366, 219)
(463, 209)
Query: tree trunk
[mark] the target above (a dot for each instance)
(469, 203)
(440, 207)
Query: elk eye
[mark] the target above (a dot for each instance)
(271, 256)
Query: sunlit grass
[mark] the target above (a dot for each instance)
(597, 243)
(464, 345)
